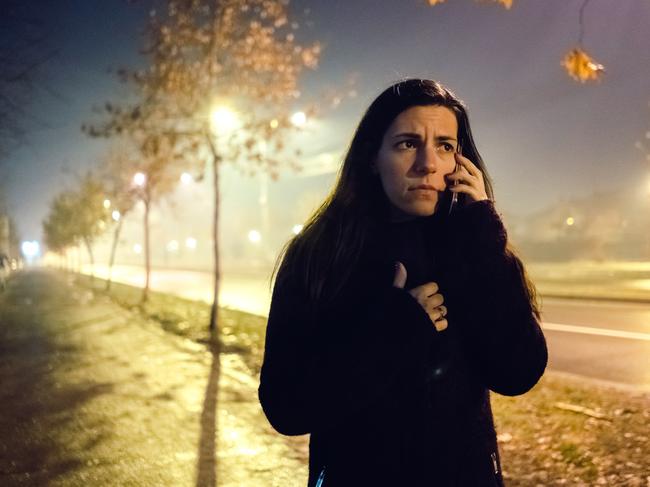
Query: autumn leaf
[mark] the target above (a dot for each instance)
(581, 67)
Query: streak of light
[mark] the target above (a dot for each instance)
(589, 330)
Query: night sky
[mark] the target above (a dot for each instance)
(544, 137)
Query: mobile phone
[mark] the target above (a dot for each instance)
(454, 196)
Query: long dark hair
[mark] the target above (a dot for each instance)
(330, 245)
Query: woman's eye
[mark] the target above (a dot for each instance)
(448, 147)
(406, 144)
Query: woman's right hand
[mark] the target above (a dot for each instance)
(427, 295)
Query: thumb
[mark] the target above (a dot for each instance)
(400, 275)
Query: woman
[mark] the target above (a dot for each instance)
(396, 311)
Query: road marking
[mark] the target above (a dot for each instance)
(590, 330)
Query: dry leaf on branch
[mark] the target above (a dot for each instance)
(581, 66)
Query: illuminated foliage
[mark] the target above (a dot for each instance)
(581, 67)
(245, 54)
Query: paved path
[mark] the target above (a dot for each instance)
(93, 395)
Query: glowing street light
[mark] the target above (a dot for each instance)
(224, 119)
(570, 221)
(116, 215)
(137, 248)
(186, 178)
(274, 123)
(190, 243)
(297, 229)
(172, 246)
(299, 119)
(30, 249)
(254, 236)
(107, 204)
(139, 179)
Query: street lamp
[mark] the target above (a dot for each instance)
(570, 221)
(190, 243)
(107, 204)
(139, 179)
(223, 119)
(186, 178)
(116, 215)
(298, 119)
(254, 236)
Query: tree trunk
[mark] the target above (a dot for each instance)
(111, 261)
(147, 257)
(214, 325)
(89, 248)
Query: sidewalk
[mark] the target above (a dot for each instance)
(93, 394)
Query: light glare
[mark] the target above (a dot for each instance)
(254, 236)
(139, 179)
(299, 119)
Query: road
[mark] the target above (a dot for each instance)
(609, 341)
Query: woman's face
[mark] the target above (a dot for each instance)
(415, 155)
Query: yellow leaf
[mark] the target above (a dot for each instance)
(581, 67)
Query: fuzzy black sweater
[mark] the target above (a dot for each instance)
(387, 399)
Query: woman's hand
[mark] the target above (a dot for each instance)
(427, 295)
(468, 179)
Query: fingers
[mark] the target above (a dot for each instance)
(469, 166)
(440, 325)
(400, 275)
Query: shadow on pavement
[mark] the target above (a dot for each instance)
(206, 465)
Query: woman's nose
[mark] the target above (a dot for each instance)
(428, 160)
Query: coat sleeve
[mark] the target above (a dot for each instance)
(319, 370)
(499, 325)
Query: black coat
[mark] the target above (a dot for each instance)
(387, 399)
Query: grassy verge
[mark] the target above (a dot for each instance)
(564, 432)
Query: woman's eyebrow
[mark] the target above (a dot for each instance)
(413, 135)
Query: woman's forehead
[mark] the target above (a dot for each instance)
(419, 118)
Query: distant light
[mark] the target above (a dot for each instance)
(172, 246)
(186, 178)
(137, 248)
(30, 248)
(223, 119)
(101, 224)
(254, 236)
(190, 243)
(297, 229)
(139, 179)
(274, 123)
(299, 119)
(107, 204)
(116, 215)
(570, 221)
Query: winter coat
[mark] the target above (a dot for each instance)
(387, 399)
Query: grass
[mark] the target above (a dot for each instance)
(541, 443)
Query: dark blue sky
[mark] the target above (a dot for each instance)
(544, 137)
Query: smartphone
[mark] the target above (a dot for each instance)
(454, 196)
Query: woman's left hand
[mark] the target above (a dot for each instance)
(468, 179)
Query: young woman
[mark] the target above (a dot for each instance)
(400, 306)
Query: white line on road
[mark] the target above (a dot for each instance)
(590, 330)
